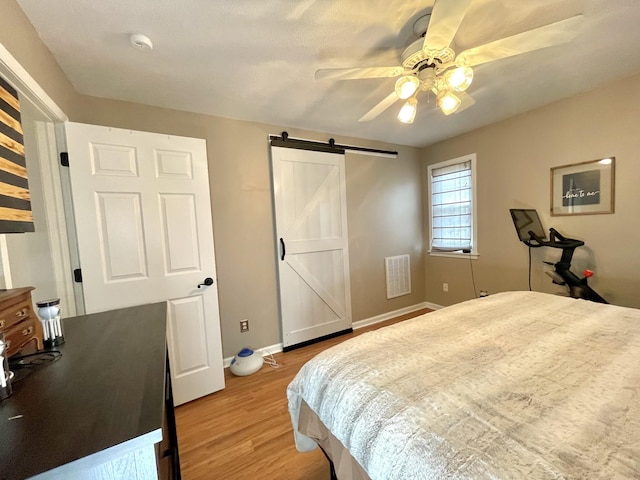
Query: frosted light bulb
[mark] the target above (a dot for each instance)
(406, 86)
(408, 111)
(460, 78)
(448, 102)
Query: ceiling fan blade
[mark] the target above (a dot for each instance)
(466, 101)
(355, 73)
(379, 108)
(542, 37)
(443, 25)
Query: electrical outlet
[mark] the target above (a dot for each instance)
(244, 326)
(445, 287)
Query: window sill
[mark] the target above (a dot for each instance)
(466, 256)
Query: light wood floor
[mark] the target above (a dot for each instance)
(244, 431)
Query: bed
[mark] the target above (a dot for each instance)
(516, 385)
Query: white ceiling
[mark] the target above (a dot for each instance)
(256, 61)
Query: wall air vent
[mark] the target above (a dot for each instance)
(398, 276)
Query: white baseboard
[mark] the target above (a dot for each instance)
(277, 348)
(396, 313)
(433, 306)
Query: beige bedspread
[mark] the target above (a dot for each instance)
(517, 385)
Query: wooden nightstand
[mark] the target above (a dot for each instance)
(18, 321)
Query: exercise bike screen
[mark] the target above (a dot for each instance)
(525, 221)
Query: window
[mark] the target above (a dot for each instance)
(452, 207)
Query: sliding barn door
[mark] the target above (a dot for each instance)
(311, 229)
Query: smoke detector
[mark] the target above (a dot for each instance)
(141, 42)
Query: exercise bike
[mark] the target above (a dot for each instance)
(531, 233)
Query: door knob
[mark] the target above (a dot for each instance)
(207, 281)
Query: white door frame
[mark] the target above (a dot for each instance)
(59, 238)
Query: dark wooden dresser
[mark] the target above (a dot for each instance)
(102, 411)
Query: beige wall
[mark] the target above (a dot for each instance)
(35, 246)
(384, 209)
(514, 161)
(384, 203)
(20, 38)
(384, 197)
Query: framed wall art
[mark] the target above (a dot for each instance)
(15, 200)
(583, 188)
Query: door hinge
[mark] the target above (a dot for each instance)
(77, 275)
(64, 159)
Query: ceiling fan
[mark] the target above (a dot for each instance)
(430, 65)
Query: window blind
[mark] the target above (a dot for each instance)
(451, 207)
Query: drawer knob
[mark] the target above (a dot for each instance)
(22, 313)
(2, 323)
(27, 331)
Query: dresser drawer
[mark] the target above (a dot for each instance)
(15, 313)
(18, 322)
(19, 335)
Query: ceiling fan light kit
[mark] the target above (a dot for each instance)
(448, 102)
(406, 86)
(430, 65)
(460, 78)
(408, 111)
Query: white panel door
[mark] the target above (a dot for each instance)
(143, 215)
(311, 229)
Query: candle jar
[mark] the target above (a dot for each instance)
(5, 374)
(49, 313)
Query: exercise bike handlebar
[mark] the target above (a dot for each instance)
(556, 240)
(539, 242)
